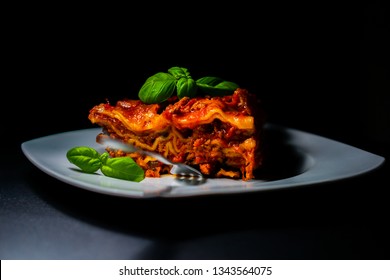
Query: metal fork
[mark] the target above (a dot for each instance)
(177, 168)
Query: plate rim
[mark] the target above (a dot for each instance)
(146, 189)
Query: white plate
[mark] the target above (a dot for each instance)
(295, 158)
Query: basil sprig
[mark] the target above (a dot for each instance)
(158, 87)
(216, 86)
(90, 161)
(161, 86)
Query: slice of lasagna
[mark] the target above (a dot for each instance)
(220, 136)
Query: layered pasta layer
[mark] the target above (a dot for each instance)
(220, 136)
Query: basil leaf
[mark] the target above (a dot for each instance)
(179, 72)
(157, 88)
(186, 87)
(216, 86)
(211, 81)
(227, 85)
(86, 158)
(121, 168)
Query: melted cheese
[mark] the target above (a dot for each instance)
(208, 115)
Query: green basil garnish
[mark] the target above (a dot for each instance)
(122, 168)
(179, 72)
(161, 86)
(186, 87)
(85, 158)
(216, 86)
(90, 161)
(157, 88)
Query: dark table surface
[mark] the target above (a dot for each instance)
(310, 76)
(43, 218)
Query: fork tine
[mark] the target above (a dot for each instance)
(177, 168)
(185, 170)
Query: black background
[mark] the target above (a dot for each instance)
(321, 68)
